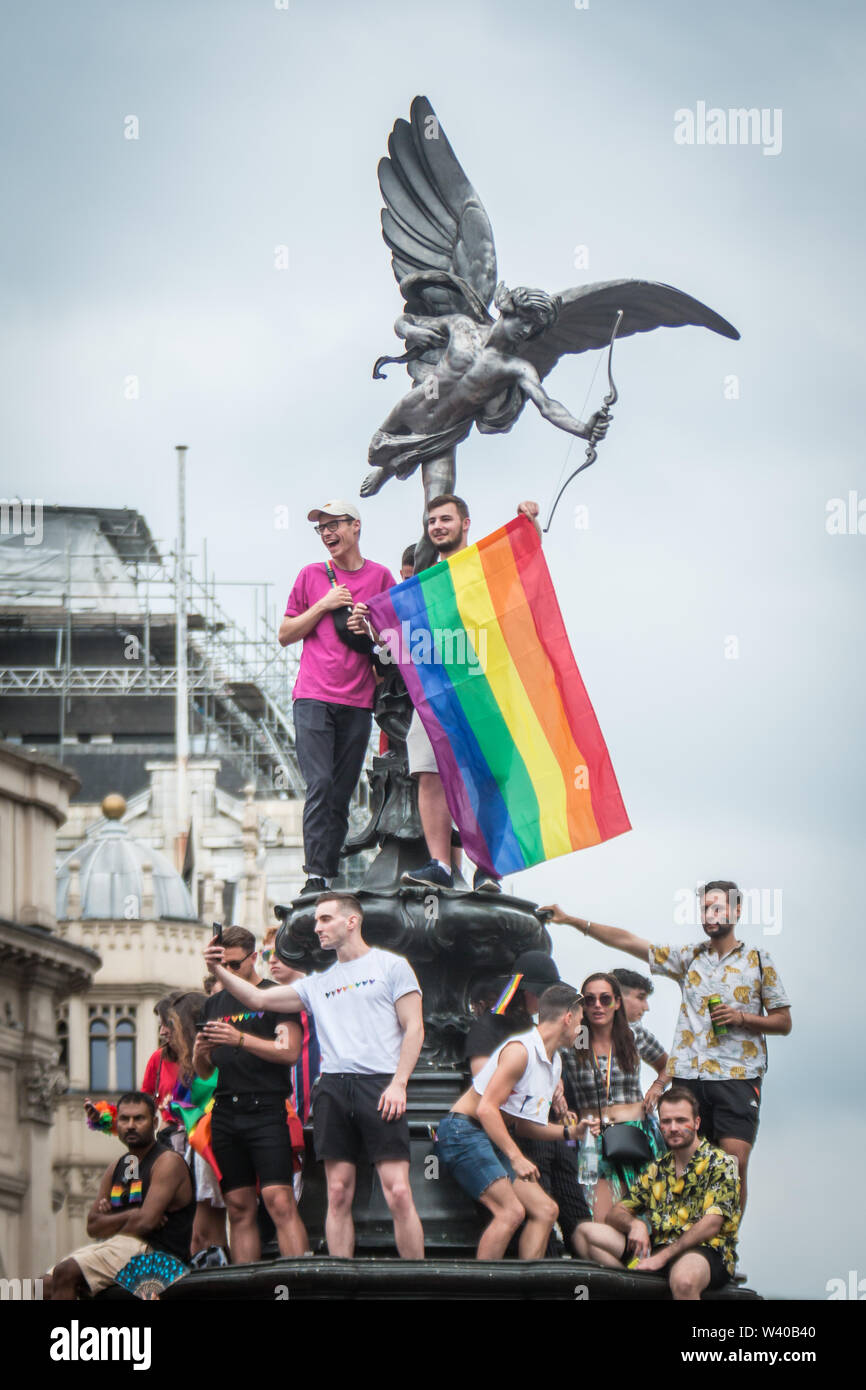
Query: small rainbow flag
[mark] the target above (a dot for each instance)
(483, 649)
(507, 995)
(192, 1105)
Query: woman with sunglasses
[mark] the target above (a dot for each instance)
(602, 1079)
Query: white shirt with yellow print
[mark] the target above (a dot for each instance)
(741, 981)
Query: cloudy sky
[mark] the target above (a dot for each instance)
(716, 621)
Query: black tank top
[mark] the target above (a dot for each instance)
(129, 1185)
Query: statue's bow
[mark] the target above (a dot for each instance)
(610, 399)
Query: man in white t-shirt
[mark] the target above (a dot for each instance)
(367, 1012)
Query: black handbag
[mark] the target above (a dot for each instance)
(625, 1146)
(355, 641)
(622, 1144)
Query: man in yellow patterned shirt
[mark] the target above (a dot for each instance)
(690, 1197)
(724, 1070)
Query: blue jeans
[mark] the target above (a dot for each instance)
(471, 1158)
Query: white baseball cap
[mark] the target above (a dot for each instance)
(337, 507)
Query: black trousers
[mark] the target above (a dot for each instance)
(557, 1164)
(331, 743)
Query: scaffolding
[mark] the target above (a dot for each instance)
(123, 589)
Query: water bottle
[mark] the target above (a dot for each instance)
(587, 1163)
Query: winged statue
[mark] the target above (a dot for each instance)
(467, 366)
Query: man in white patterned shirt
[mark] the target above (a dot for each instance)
(724, 1069)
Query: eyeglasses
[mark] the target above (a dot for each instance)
(267, 952)
(236, 964)
(330, 525)
(604, 999)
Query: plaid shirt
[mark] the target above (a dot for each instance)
(579, 1078)
(710, 1186)
(740, 979)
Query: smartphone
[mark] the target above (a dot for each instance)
(200, 1023)
(218, 932)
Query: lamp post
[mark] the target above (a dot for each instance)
(182, 700)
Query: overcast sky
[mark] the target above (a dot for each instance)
(260, 127)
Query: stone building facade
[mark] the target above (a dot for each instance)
(40, 972)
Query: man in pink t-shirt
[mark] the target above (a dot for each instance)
(333, 695)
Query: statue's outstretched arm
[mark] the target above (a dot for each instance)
(552, 410)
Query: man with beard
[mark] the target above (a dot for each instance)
(690, 1196)
(333, 695)
(367, 1009)
(145, 1203)
(250, 1124)
(718, 1053)
(448, 529)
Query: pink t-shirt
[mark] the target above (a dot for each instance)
(331, 671)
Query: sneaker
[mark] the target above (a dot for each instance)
(485, 883)
(215, 1257)
(313, 885)
(430, 875)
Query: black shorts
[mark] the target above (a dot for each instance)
(729, 1109)
(347, 1124)
(719, 1276)
(251, 1142)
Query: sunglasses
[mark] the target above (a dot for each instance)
(236, 964)
(267, 952)
(604, 999)
(330, 525)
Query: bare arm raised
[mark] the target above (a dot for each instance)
(282, 999)
(608, 936)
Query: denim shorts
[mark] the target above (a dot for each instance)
(470, 1157)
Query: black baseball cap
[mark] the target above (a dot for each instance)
(538, 970)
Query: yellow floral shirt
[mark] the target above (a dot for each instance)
(710, 1186)
(741, 981)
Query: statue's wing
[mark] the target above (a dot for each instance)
(433, 219)
(588, 314)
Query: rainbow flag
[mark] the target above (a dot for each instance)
(192, 1105)
(483, 650)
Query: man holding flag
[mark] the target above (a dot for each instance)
(448, 528)
(518, 759)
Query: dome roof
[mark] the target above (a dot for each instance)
(111, 875)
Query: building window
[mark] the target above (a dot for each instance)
(124, 1053)
(98, 1054)
(63, 1044)
(61, 1035)
(112, 1039)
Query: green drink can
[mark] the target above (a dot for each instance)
(713, 1002)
